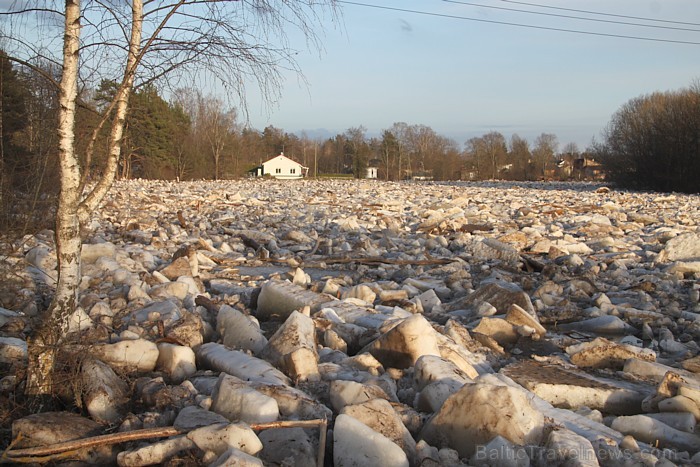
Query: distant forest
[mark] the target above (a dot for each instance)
(651, 143)
(196, 136)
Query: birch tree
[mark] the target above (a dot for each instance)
(42, 347)
(138, 42)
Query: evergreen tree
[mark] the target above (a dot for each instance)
(14, 96)
(13, 119)
(153, 130)
(149, 134)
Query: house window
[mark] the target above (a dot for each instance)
(278, 171)
(291, 171)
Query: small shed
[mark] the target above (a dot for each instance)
(281, 167)
(371, 172)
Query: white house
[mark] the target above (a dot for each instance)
(281, 167)
(371, 172)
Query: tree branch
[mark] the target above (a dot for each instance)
(65, 449)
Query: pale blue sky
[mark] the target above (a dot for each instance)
(465, 78)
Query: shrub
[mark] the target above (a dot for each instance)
(653, 142)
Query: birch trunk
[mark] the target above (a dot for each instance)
(2, 144)
(93, 199)
(72, 213)
(43, 346)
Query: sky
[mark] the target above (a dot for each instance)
(465, 78)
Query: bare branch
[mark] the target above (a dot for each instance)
(30, 10)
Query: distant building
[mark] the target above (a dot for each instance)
(372, 170)
(419, 175)
(589, 168)
(280, 167)
(466, 174)
(580, 167)
(505, 169)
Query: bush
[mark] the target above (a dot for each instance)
(653, 142)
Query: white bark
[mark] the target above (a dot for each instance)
(43, 350)
(71, 211)
(93, 199)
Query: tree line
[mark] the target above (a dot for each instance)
(653, 142)
(196, 136)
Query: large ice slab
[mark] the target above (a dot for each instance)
(218, 357)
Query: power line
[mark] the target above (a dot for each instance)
(601, 14)
(571, 16)
(506, 23)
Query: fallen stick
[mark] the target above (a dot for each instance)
(206, 302)
(398, 262)
(181, 219)
(65, 449)
(315, 248)
(74, 445)
(287, 424)
(66, 455)
(321, 423)
(205, 246)
(322, 443)
(368, 260)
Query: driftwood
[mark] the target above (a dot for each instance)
(205, 246)
(206, 302)
(315, 247)
(319, 261)
(381, 260)
(181, 219)
(14, 455)
(367, 260)
(321, 423)
(249, 242)
(64, 450)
